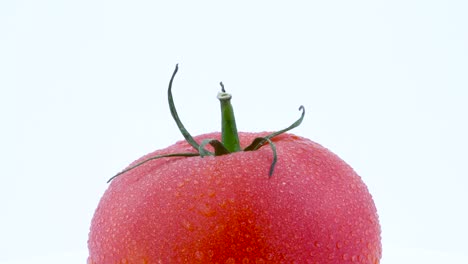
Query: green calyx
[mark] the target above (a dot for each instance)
(229, 137)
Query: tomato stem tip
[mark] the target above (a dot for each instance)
(229, 135)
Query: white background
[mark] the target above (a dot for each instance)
(83, 93)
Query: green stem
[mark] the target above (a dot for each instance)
(229, 136)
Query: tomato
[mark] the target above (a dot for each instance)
(237, 207)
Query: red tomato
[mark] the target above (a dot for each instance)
(225, 209)
(240, 202)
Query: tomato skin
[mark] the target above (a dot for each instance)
(225, 209)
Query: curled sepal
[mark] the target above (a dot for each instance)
(258, 142)
(273, 149)
(293, 125)
(174, 114)
(218, 147)
(153, 158)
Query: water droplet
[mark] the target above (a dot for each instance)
(223, 204)
(230, 261)
(199, 255)
(339, 245)
(210, 253)
(317, 244)
(260, 261)
(211, 193)
(245, 261)
(269, 256)
(206, 210)
(124, 261)
(345, 257)
(187, 225)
